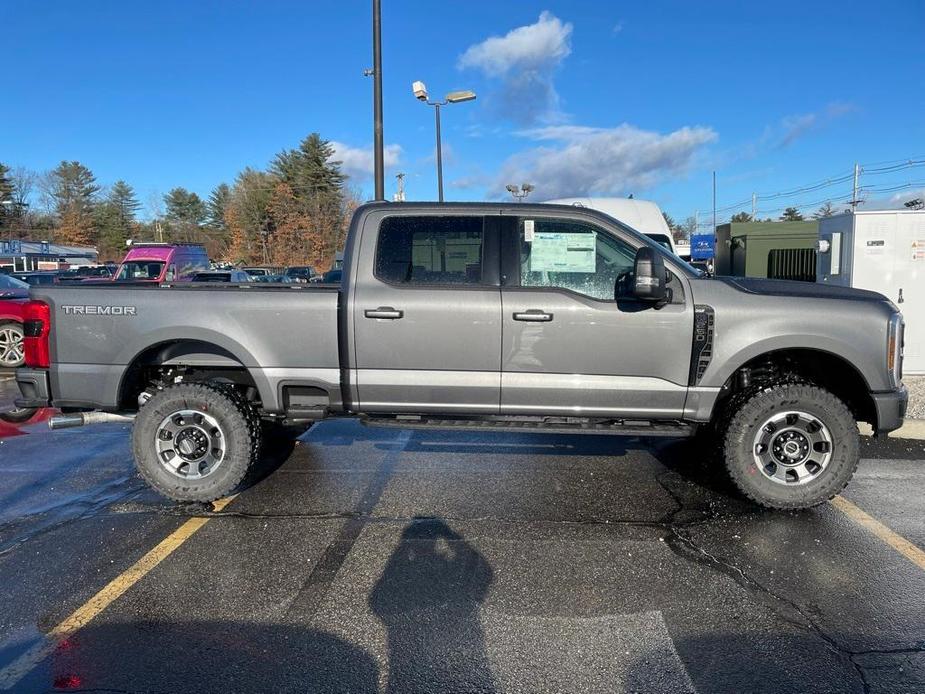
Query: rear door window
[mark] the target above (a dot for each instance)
(430, 250)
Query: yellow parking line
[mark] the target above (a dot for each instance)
(894, 540)
(80, 617)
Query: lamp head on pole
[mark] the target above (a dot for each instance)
(460, 96)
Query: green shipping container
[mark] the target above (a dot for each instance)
(777, 250)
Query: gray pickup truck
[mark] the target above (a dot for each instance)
(479, 316)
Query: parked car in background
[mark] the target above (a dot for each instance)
(13, 296)
(258, 271)
(82, 274)
(222, 276)
(163, 262)
(301, 273)
(38, 277)
(273, 279)
(331, 277)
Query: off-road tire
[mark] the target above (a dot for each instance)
(240, 427)
(749, 414)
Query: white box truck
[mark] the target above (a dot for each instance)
(642, 215)
(881, 250)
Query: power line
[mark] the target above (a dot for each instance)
(874, 169)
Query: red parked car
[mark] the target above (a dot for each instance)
(13, 295)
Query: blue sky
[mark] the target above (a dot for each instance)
(574, 97)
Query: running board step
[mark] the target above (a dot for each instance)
(548, 425)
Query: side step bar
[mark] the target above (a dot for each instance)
(79, 419)
(539, 425)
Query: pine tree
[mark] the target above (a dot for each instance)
(827, 210)
(316, 183)
(741, 217)
(115, 218)
(186, 213)
(122, 198)
(791, 214)
(185, 207)
(217, 204)
(72, 189)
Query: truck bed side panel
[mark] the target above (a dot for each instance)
(279, 334)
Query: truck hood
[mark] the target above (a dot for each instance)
(800, 290)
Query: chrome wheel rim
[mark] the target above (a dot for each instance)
(792, 448)
(11, 349)
(190, 444)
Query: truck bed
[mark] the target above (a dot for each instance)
(285, 334)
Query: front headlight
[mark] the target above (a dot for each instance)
(894, 349)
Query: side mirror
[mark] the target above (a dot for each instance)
(649, 275)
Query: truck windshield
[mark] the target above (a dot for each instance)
(140, 270)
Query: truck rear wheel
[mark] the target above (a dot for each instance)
(194, 441)
(791, 446)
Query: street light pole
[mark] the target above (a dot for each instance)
(420, 93)
(439, 154)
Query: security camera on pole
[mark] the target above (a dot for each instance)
(420, 93)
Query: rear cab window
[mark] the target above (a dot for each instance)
(431, 250)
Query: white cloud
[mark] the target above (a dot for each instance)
(528, 47)
(580, 160)
(897, 201)
(792, 128)
(523, 60)
(357, 162)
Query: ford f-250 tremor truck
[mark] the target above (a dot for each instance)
(494, 316)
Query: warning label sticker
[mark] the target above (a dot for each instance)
(918, 249)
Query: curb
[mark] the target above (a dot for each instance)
(911, 429)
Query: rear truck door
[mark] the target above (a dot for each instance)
(569, 347)
(427, 313)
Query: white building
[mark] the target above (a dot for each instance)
(25, 256)
(884, 251)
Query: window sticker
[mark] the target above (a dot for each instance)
(563, 252)
(528, 230)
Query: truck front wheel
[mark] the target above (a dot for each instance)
(194, 442)
(791, 446)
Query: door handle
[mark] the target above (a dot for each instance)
(386, 312)
(534, 315)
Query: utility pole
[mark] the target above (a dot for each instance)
(854, 191)
(754, 206)
(378, 166)
(714, 202)
(400, 195)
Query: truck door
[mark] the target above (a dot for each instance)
(569, 347)
(427, 314)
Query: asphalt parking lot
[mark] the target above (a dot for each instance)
(363, 560)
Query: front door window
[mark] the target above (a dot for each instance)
(573, 255)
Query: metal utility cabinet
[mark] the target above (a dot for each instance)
(881, 250)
